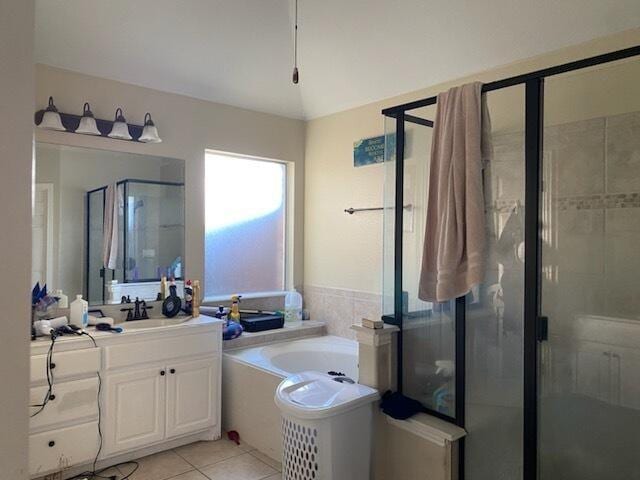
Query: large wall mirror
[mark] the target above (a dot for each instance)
(107, 224)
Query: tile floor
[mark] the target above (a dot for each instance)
(219, 460)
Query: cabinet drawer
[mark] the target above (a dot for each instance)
(57, 449)
(67, 364)
(162, 349)
(74, 400)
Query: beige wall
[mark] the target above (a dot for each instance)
(345, 251)
(188, 127)
(16, 118)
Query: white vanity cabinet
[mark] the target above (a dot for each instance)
(135, 407)
(158, 388)
(65, 431)
(192, 396)
(162, 401)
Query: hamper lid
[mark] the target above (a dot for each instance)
(317, 395)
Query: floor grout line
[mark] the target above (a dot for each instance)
(188, 471)
(244, 449)
(177, 453)
(239, 452)
(258, 458)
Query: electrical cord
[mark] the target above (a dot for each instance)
(97, 473)
(49, 369)
(49, 396)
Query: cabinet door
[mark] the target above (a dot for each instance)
(627, 366)
(135, 409)
(192, 396)
(593, 370)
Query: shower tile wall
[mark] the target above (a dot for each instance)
(591, 213)
(591, 234)
(592, 201)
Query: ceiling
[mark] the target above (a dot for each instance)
(352, 52)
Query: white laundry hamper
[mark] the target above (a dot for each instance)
(326, 427)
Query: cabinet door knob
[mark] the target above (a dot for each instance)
(173, 370)
(51, 443)
(162, 372)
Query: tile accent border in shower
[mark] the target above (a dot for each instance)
(579, 202)
(596, 202)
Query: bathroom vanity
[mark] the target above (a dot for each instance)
(152, 387)
(158, 386)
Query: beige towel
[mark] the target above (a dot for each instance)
(110, 227)
(453, 252)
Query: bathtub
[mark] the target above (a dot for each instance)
(250, 377)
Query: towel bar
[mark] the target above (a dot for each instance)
(352, 210)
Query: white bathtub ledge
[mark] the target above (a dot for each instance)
(430, 428)
(309, 328)
(374, 337)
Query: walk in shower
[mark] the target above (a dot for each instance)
(150, 236)
(541, 363)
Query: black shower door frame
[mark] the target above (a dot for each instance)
(535, 326)
(125, 184)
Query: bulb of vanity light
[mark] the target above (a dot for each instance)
(51, 118)
(150, 131)
(120, 128)
(88, 124)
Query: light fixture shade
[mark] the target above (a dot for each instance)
(88, 124)
(150, 131)
(120, 128)
(51, 118)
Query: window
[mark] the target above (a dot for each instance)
(245, 225)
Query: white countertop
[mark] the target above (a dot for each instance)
(70, 342)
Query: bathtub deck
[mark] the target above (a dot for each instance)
(309, 328)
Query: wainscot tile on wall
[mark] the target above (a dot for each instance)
(623, 153)
(341, 308)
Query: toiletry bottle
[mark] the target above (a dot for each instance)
(188, 298)
(293, 308)
(79, 312)
(63, 300)
(163, 287)
(196, 293)
(235, 308)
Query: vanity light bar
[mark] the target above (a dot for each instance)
(105, 128)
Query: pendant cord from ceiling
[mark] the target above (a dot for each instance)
(295, 47)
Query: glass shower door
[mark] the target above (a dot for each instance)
(589, 370)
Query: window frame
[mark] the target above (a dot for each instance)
(289, 172)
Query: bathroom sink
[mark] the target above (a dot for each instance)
(153, 323)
